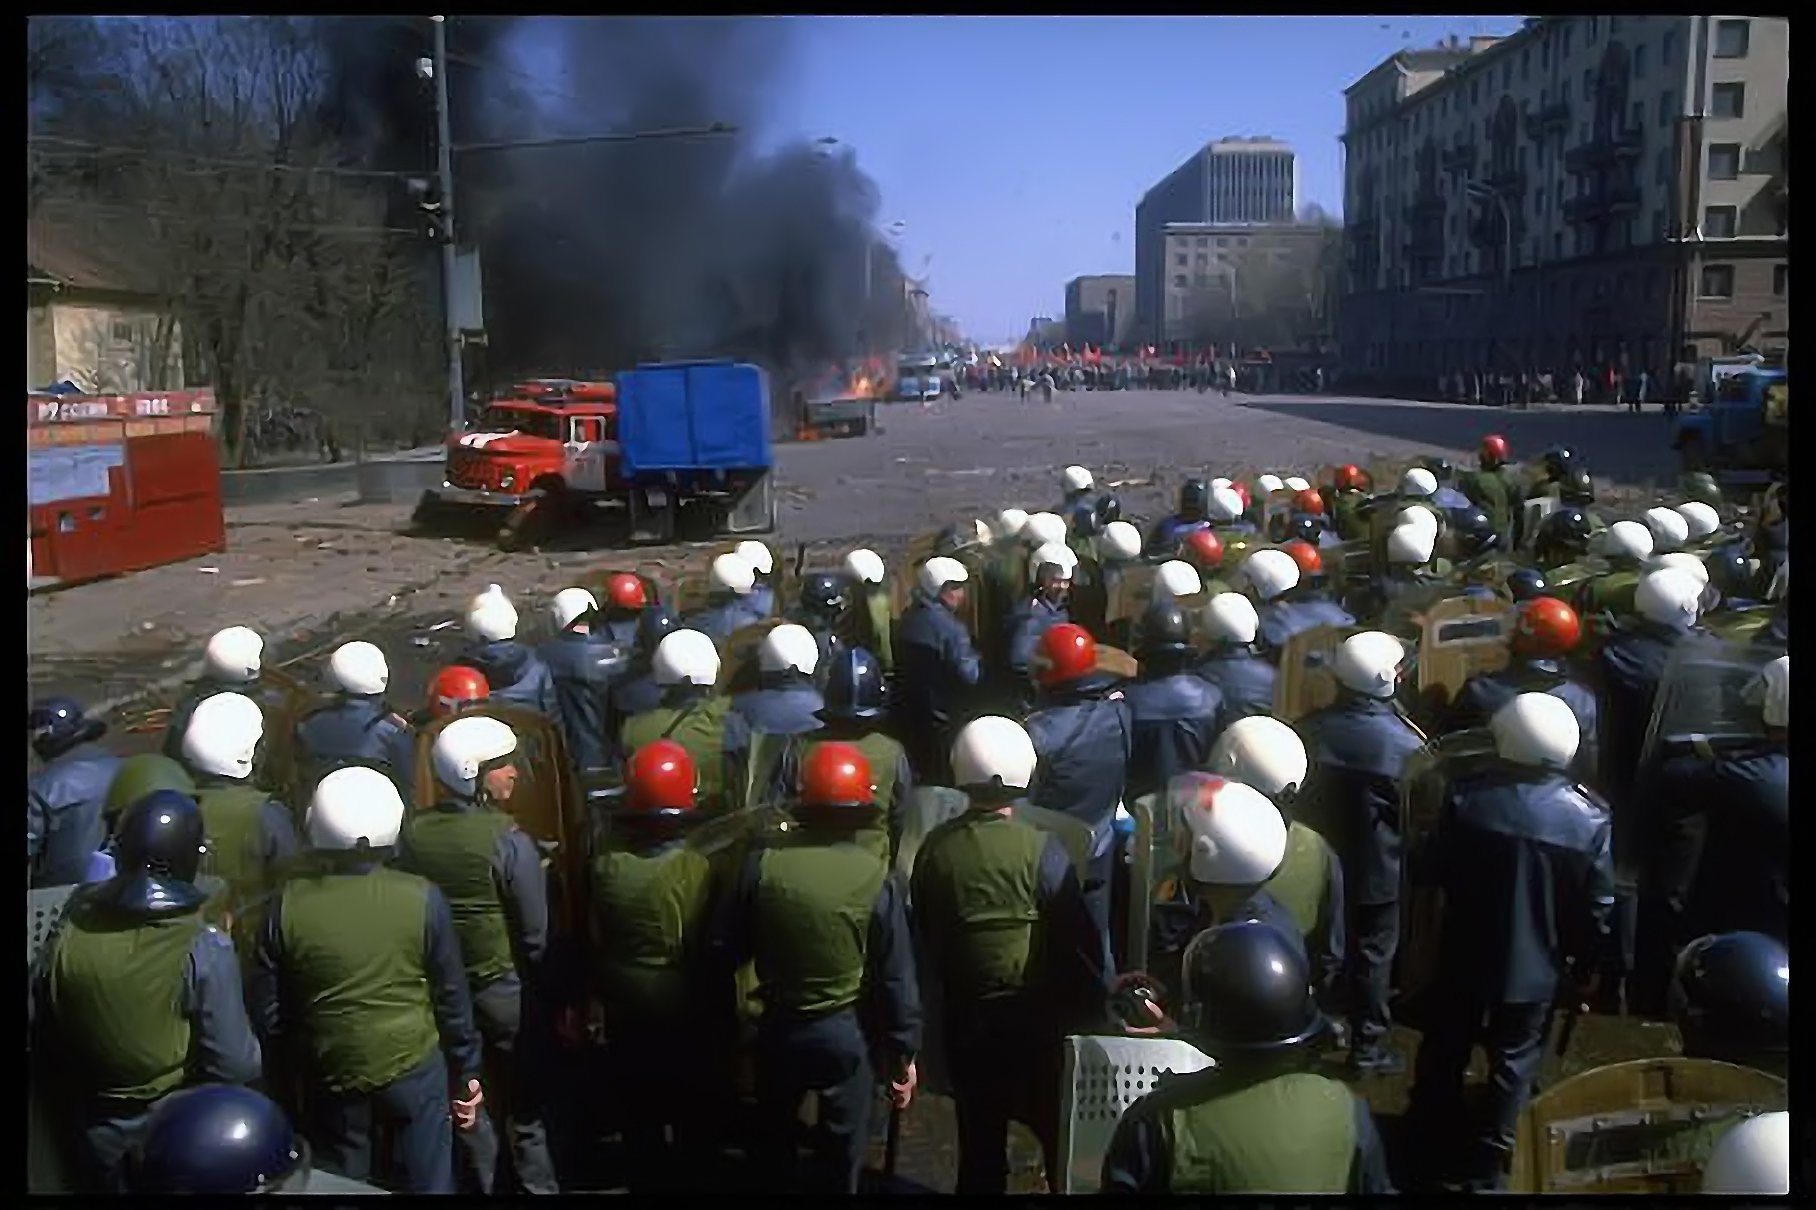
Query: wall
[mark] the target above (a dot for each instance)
(90, 351)
(40, 347)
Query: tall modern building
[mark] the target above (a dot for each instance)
(1590, 189)
(1235, 180)
(1100, 310)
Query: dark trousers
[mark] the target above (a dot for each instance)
(1513, 1035)
(412, 1110)
(668, 1088)
(1005, 1065)
(1099, 873)
(513, 1083)
(97, 1163)
(827, 1056)
(1374, 936)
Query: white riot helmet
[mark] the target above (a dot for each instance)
(359, 669)
(685, 657)
(1224, 505)
(1260, 751)
(572, 605)
(1684, 561)
(1422, 518)
(1078, 479)
(1411, 544)
(1178, 578)
(491, 617)
(1297, 483)
(467, 747)
(1418, 482)
(1270, 572)
(1221, 481)
(1234, 833)
(1669, 529)
(1369, 663)
(788, 647)
(1752, 1159)
(233, 656)
(757, 555)
(731, 573)
(1052, 554)
(1009, 522)
(1627, 540)
(1774, 690)
(993, 751)
(222, 736)
(1668, 597)
(1536, 729)
(865, 566)
(1267, 485)
(936, 573)
(1702, 519)
(356, 804)
(1121, 541)
(1231, 618)
(1042, 528)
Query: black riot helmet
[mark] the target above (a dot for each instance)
(1163, 634)
(1563, 537)
(825, 594)
(221, 1139)
(157, 851)
(1194, 495)
(1083, 521)
(1473, 532)
(1305, 527)
(1731, 998)
(1525, 583)
(1558, 460)
(854, 685)
(1731, 573)
(1248, 992)
(653, 625)
(1577, 486)
(57, 724)
(1109, 510)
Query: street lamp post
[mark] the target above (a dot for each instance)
(444, 165)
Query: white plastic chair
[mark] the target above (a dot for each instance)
(1103, 1077)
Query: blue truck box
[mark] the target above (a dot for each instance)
(690, 416)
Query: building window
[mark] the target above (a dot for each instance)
(1639, 62)
(1560, 193)
(1728, 100)
(1639, 119)
(1719, 222)
(1667, 105)
(1717, 282)
(1592, 24)
(1179, 280)
(122, 331)
(1731, 39)
(1724, 161)
(1588, 82)
(1563, 94)
(1781, 280)
(1203, 280)
(1203, 242)
(1202, 260)
(1179, 261)
(1475, 90)
(1242, 241)
(1557, 244)
(1223, 241)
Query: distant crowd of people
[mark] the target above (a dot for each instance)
(1607, 384)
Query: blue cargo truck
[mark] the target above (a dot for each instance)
(696, 434)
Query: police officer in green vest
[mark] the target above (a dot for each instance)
(1264, 753)
(490, 872)
(1494, 487)
(648, 894)
(856, 702)
(135, 995)
(1002, 923)
(872, 617)
(1554, 465)
(825, 920)
(250, 834)
(223, 1140)
(686, 668)
(359, 994)
(1626, 545)
(1348, 500)
(1259, 1121)
(232, 662)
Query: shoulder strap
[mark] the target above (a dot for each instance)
(686, 712)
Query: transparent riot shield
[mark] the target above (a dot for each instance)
(1072, 833)
(1275, 510)
(1460, 638)
(1642, 1127)
(927, 808)
(1708, 699)
(1307, 679)
(1424, 788)
(1130, 594)
(1155, 866)
(1102, 1077)
(1533, 514)
(1347, 565)
(738, 658)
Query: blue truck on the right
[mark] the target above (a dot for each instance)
(1742, 435)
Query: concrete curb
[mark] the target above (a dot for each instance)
(394, 479)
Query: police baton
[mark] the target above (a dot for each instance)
(892, 1141)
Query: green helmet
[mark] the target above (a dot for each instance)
(1701, 486)
(140, 775)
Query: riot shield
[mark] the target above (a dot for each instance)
(1154, 869)
(1129, 595)
(738, 660)
(1347, 565)
(1707, 699)
(1460, 638)
(1073, 833)
(1645, 1126)
(1102, 1077)
(1533, 514)
(1114, 661)
(1275, 510)
(1424, 787)
(926, 809)
(1307, 680)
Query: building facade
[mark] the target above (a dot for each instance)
(1210, 272)
(1100, 310)
(1234, 180)
(1590, 190)
(93, 315)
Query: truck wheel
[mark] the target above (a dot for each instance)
(1694, 454)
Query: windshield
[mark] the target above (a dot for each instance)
(519, 420)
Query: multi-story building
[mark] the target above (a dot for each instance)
(1208, 271)
(1234, 180)
(1590, 189)
(1100, 309)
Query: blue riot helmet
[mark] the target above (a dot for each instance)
(220, 1139)
(157, 851)
(57, 724)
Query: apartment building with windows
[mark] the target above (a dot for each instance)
(1208, 266)
(1593, 189)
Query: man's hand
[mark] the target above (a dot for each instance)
(901, 1089)
(466, 1113)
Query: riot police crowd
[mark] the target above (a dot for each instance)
(741, 867)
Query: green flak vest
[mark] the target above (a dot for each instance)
(814, 901)
(1738, 625)
(1347, 515)
(648, 913)
(453, 849)
(1567, 577)
(116, 987)
(353, 947)
(975, 887)
(876, 612)
(1302, 884)
(1613, 592)
(1493, 493)
(699, 726)
(1295, 1133)
(882, 753)
(232, 821)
